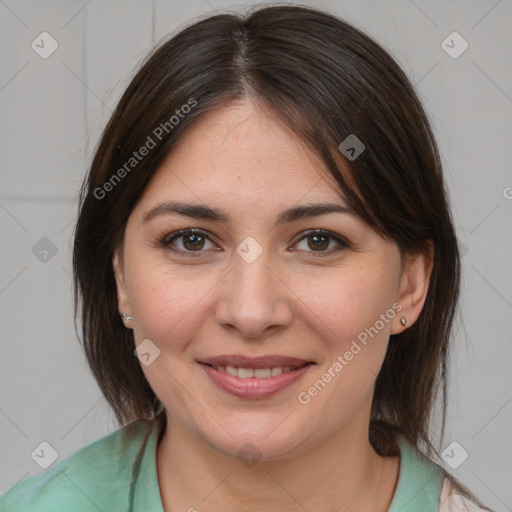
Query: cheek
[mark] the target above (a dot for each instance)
(169, 312)
(354, 314)
(352, 302)
(166, 306)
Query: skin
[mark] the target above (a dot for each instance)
(290, 301)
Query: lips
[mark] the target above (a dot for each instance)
(254, 377)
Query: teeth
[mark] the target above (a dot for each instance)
(231, 370)
(244, 373)
(259, 373)
(262, 373)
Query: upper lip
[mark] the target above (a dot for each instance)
(240, 361)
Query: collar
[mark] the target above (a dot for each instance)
(419, 481)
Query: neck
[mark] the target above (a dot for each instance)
(343, 474)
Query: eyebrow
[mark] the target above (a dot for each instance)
(202, 212)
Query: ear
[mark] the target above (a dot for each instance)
(123, 303)
(413, 288)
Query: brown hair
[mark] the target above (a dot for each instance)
(326, 80)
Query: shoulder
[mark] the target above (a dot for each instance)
(424, 485)
(100, 472)
(419, 481)
(453, 501)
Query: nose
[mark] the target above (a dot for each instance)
(254, 299)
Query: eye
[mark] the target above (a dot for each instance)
(188, 241)
(319, 240)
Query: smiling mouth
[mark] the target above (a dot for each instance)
(258, 373)
(259, 382)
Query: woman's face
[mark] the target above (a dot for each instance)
(258, 290)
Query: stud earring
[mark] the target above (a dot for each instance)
(125, 315)
(403, 321)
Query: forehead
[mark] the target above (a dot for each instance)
(241, 153)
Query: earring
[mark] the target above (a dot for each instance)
(403, 321)
(128, 317)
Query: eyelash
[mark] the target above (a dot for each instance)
(168, 239)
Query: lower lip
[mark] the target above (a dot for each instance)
(253, 387)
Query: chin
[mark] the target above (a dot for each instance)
(257, 441)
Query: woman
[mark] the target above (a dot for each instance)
(267, 275)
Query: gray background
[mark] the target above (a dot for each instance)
(53, 111)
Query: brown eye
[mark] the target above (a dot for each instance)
(320, 240)
(187, 241)
(193, 241)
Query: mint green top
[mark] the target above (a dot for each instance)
(118, 474)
